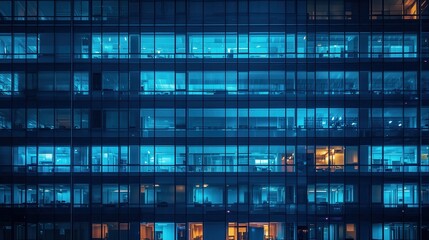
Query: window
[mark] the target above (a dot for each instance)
(394, 158)
(82, 45)
(81, 10)
(80, 159)
(81, 83)
(425, 194)
(114, 194)
(268, 195)
(5, 46)
(147, 45)
(164, 45)
(397, 195)
(393, 9)
(258, 45)
(214, 46)
(330, 193)
(164, 81)
(6, 10)
(5, 194)
(62, 10)
(110, 81)
(80, 195)
(5, 83)
(46, 10)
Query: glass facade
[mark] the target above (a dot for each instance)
(235, 120)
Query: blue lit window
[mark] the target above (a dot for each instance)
(277, 45)
(82, 45)
(258, 45)
(410, 45)
(231, 81)
(110, 45)
(19, 158)
(147, 85)
(195, 45)
(180, 43)
(164, 158)
(214, 46)
(147, 119)
(80, 195)
(290, 45)
(164, 81)
(147, 158)
(195, 81)
(393, 45)
(62, 159)
(46, 195)
(31, 158)
(5, 83)
(214, 81)
(81, 159)
(301, 44)
(195, 159)
(398, 194)
(231, 45)
(376, 45)
(330, 193)
(164, 119)
(110, 194)
(96, 45)
(123, 45)
(5, 46)
(96, 158)
(243, 44)
(352, 45)
(81, 83)
(322, 118)
(110, 81)
(336, 45)
(45, 159)
(258, 82)
(394, 159)
(322, 45)
(164, 45)
(164, 230)
(19, 45)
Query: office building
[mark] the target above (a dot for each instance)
(235, 120)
